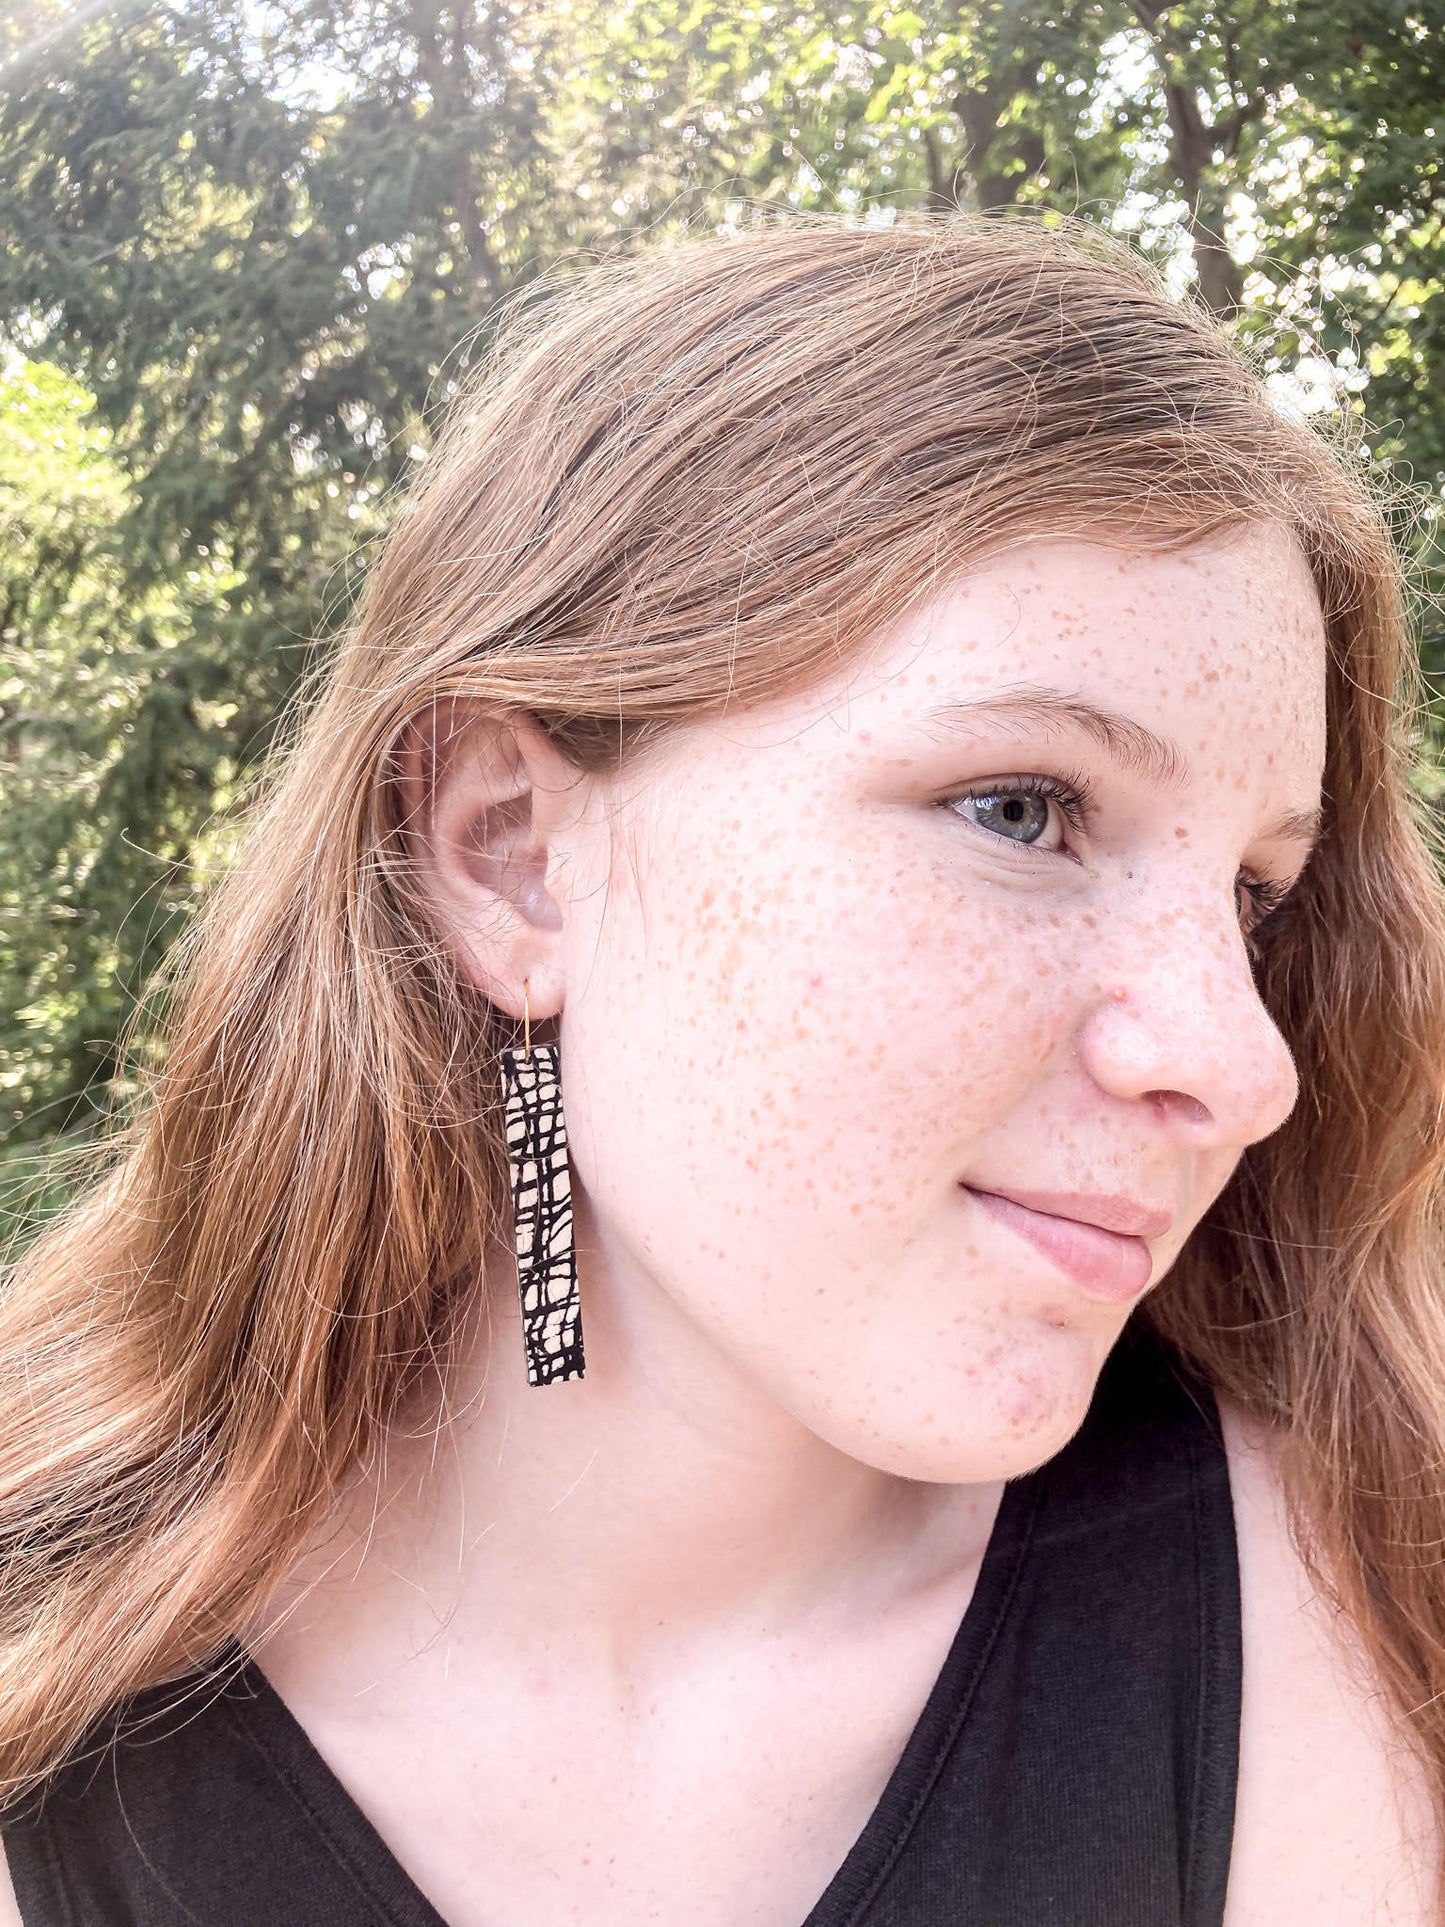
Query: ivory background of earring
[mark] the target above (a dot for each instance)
(542, 1208)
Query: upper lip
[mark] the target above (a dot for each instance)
(1109, 1211)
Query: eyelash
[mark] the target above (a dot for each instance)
(1074, 795)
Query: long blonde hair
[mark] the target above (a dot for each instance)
(689, 481)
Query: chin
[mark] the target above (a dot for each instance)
(977, 1460)
(1012, 1415)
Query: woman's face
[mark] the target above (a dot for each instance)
(873, 996)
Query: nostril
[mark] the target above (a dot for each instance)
(1179, 1105)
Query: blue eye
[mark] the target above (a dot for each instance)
(1020, 815)
(1026, 809)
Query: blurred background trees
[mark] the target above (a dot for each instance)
(247, 246)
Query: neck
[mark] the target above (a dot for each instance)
(661, 1500)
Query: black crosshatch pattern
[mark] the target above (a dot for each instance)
(542, 1209)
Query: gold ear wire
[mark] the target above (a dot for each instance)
(526, 1023)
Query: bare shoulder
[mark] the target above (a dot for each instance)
(9, 1906)
(1334, 1823)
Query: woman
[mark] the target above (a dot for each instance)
(901, 727)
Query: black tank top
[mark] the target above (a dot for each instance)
(1074, 1765)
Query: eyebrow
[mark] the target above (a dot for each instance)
(1131, 744)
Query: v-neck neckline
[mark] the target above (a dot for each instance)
(263, 1718)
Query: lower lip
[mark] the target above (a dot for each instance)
(1104, 1264)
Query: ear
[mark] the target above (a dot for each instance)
(485, 804)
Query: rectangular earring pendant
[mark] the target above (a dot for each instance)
(542, 1214)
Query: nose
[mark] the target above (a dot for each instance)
(1178, 1020)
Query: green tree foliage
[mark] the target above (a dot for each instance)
(258, 294)
(102, 727)
(246, 246)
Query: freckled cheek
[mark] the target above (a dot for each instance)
(912, 1007)
(807, 1059)
(857, 947)
(994, 968)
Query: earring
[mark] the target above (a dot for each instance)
(542, 1209)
